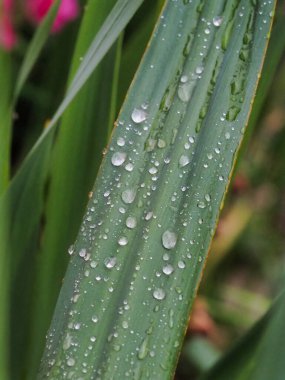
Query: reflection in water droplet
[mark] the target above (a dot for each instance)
(169, 239)
(201, 204)
(118, 158)
(139, 115)
(159, 294)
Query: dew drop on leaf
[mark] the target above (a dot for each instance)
(128, 196)
(217, 21)
(122, 241)
(118, 158)
(167, 269)
(110, 262)
(131, 222)
(159, 294)
(139, 115)
(169, 239)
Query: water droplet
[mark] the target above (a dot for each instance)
(207, 197)
(143, 349)
(191, 140)
(131, 222)
(70, 362)
(161, 143)
(128, 196)
(207, 31)
(118, 158)
(139, 115)
(159, 294)
(184, 79)
(121, 141)
(129, 167)
(199, 69)
(122, 241)
(201, 204)
(71, 249)
(181, 264)
(82, 252)
(184, 93)
(183, 161)
(169, 239)
(148, 215)
(152, 170)
(94, 319)
(110, 262)
(167, 269)
(217, 21)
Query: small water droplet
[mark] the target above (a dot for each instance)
(201, 204)
(208, 197)
(159, 294)
(121, 141)
(129, 167)
(167, 269)
(139, 115)
(122, 241)
(94, 319)
(199, 70)
(191, 140)
(71, 249)
(131, 222)
(110, 262)
(169, 239)
(181, 264)
(128, 196)
(217, 21)
(183, 161)
(118, 158)
(70, 362)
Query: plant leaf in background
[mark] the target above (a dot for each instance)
(259, 355)
(149, 224)
(85, 124)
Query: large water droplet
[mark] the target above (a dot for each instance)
(128, 195)
(169, 239)
(118, 158)
(159, 294)
(139, 115)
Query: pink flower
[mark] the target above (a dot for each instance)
(7, 33)
(68, 11)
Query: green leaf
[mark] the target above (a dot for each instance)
(83, 125)
(6, 118)
(259, 355)
(138, 258)
(35, 47)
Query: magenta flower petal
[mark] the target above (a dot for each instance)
(68, 11)
(8, 37)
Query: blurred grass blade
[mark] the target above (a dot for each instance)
(6, 118)
(16, 244)
(5, 137)
(114, 24)
(259, 355)
(83, 125)
(138, 258)
(35, 47)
